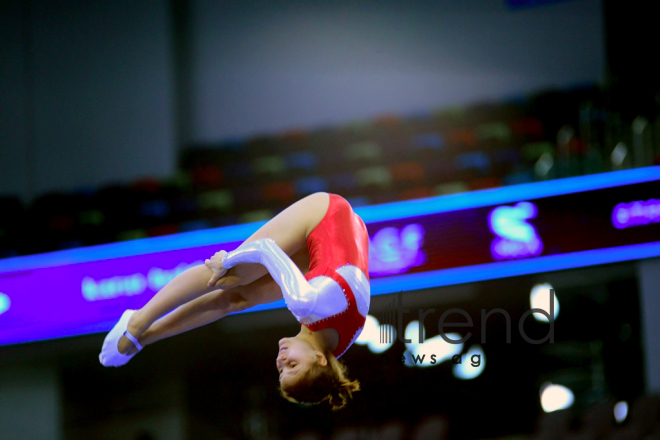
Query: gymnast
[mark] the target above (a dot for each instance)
(315, 254)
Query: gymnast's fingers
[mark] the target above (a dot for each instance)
(214, 279)
(218, 257)
(217, 274)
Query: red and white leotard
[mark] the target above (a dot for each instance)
(335, 293)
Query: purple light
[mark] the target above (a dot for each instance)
(85, 290)
(504, 249)
(393, 252)
(515, 237)
(5, 303)
(638, 213)
(87, 297)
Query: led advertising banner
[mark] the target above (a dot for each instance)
(495, 233)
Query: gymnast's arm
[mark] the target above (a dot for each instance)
(299, 295)
(219, 303)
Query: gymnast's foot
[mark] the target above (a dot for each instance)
(125, 346)
(116, 352)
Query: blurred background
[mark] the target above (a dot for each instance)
(124, 120)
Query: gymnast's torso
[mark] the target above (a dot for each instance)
(334, 293)
(339, 272)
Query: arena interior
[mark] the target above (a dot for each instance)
(504, 156)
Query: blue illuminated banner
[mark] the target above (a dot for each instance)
(416, 244)
(515, 4)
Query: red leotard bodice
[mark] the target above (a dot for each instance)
(340, 238)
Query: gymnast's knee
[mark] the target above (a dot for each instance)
(231, 301)
(233, 278)
(228, 282)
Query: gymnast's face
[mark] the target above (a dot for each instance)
(294, 358)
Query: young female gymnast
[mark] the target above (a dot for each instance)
(319, 235)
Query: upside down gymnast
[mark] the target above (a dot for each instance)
(315, 254)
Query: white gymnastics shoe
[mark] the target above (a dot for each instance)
(110, 356)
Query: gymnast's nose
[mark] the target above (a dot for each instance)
(281, 359)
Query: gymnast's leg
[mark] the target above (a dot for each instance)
(289, 229)
(217, 304)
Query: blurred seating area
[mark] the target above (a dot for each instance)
(428, 428)
(603, 420)
(599, 421)
(545, 136)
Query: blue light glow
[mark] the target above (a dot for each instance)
(5, 303)
(556, 397)
(639, 213)
(516, 237)
(133, 284)
(621, 411)
(184, 240)
(92, 286)
(510, 194)
(392, 251)
(370, 214)
(539, 298)
(510, 221)
(504, 269)
(472, 363)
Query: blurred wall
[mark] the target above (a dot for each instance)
(89, 94)
(96, 92)
(649, 275)
(270, 66)
(14, 149)
(30, 403)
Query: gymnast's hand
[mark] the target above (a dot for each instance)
(215, 264)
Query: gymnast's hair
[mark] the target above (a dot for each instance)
(320, 384)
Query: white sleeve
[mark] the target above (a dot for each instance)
(299, 295)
